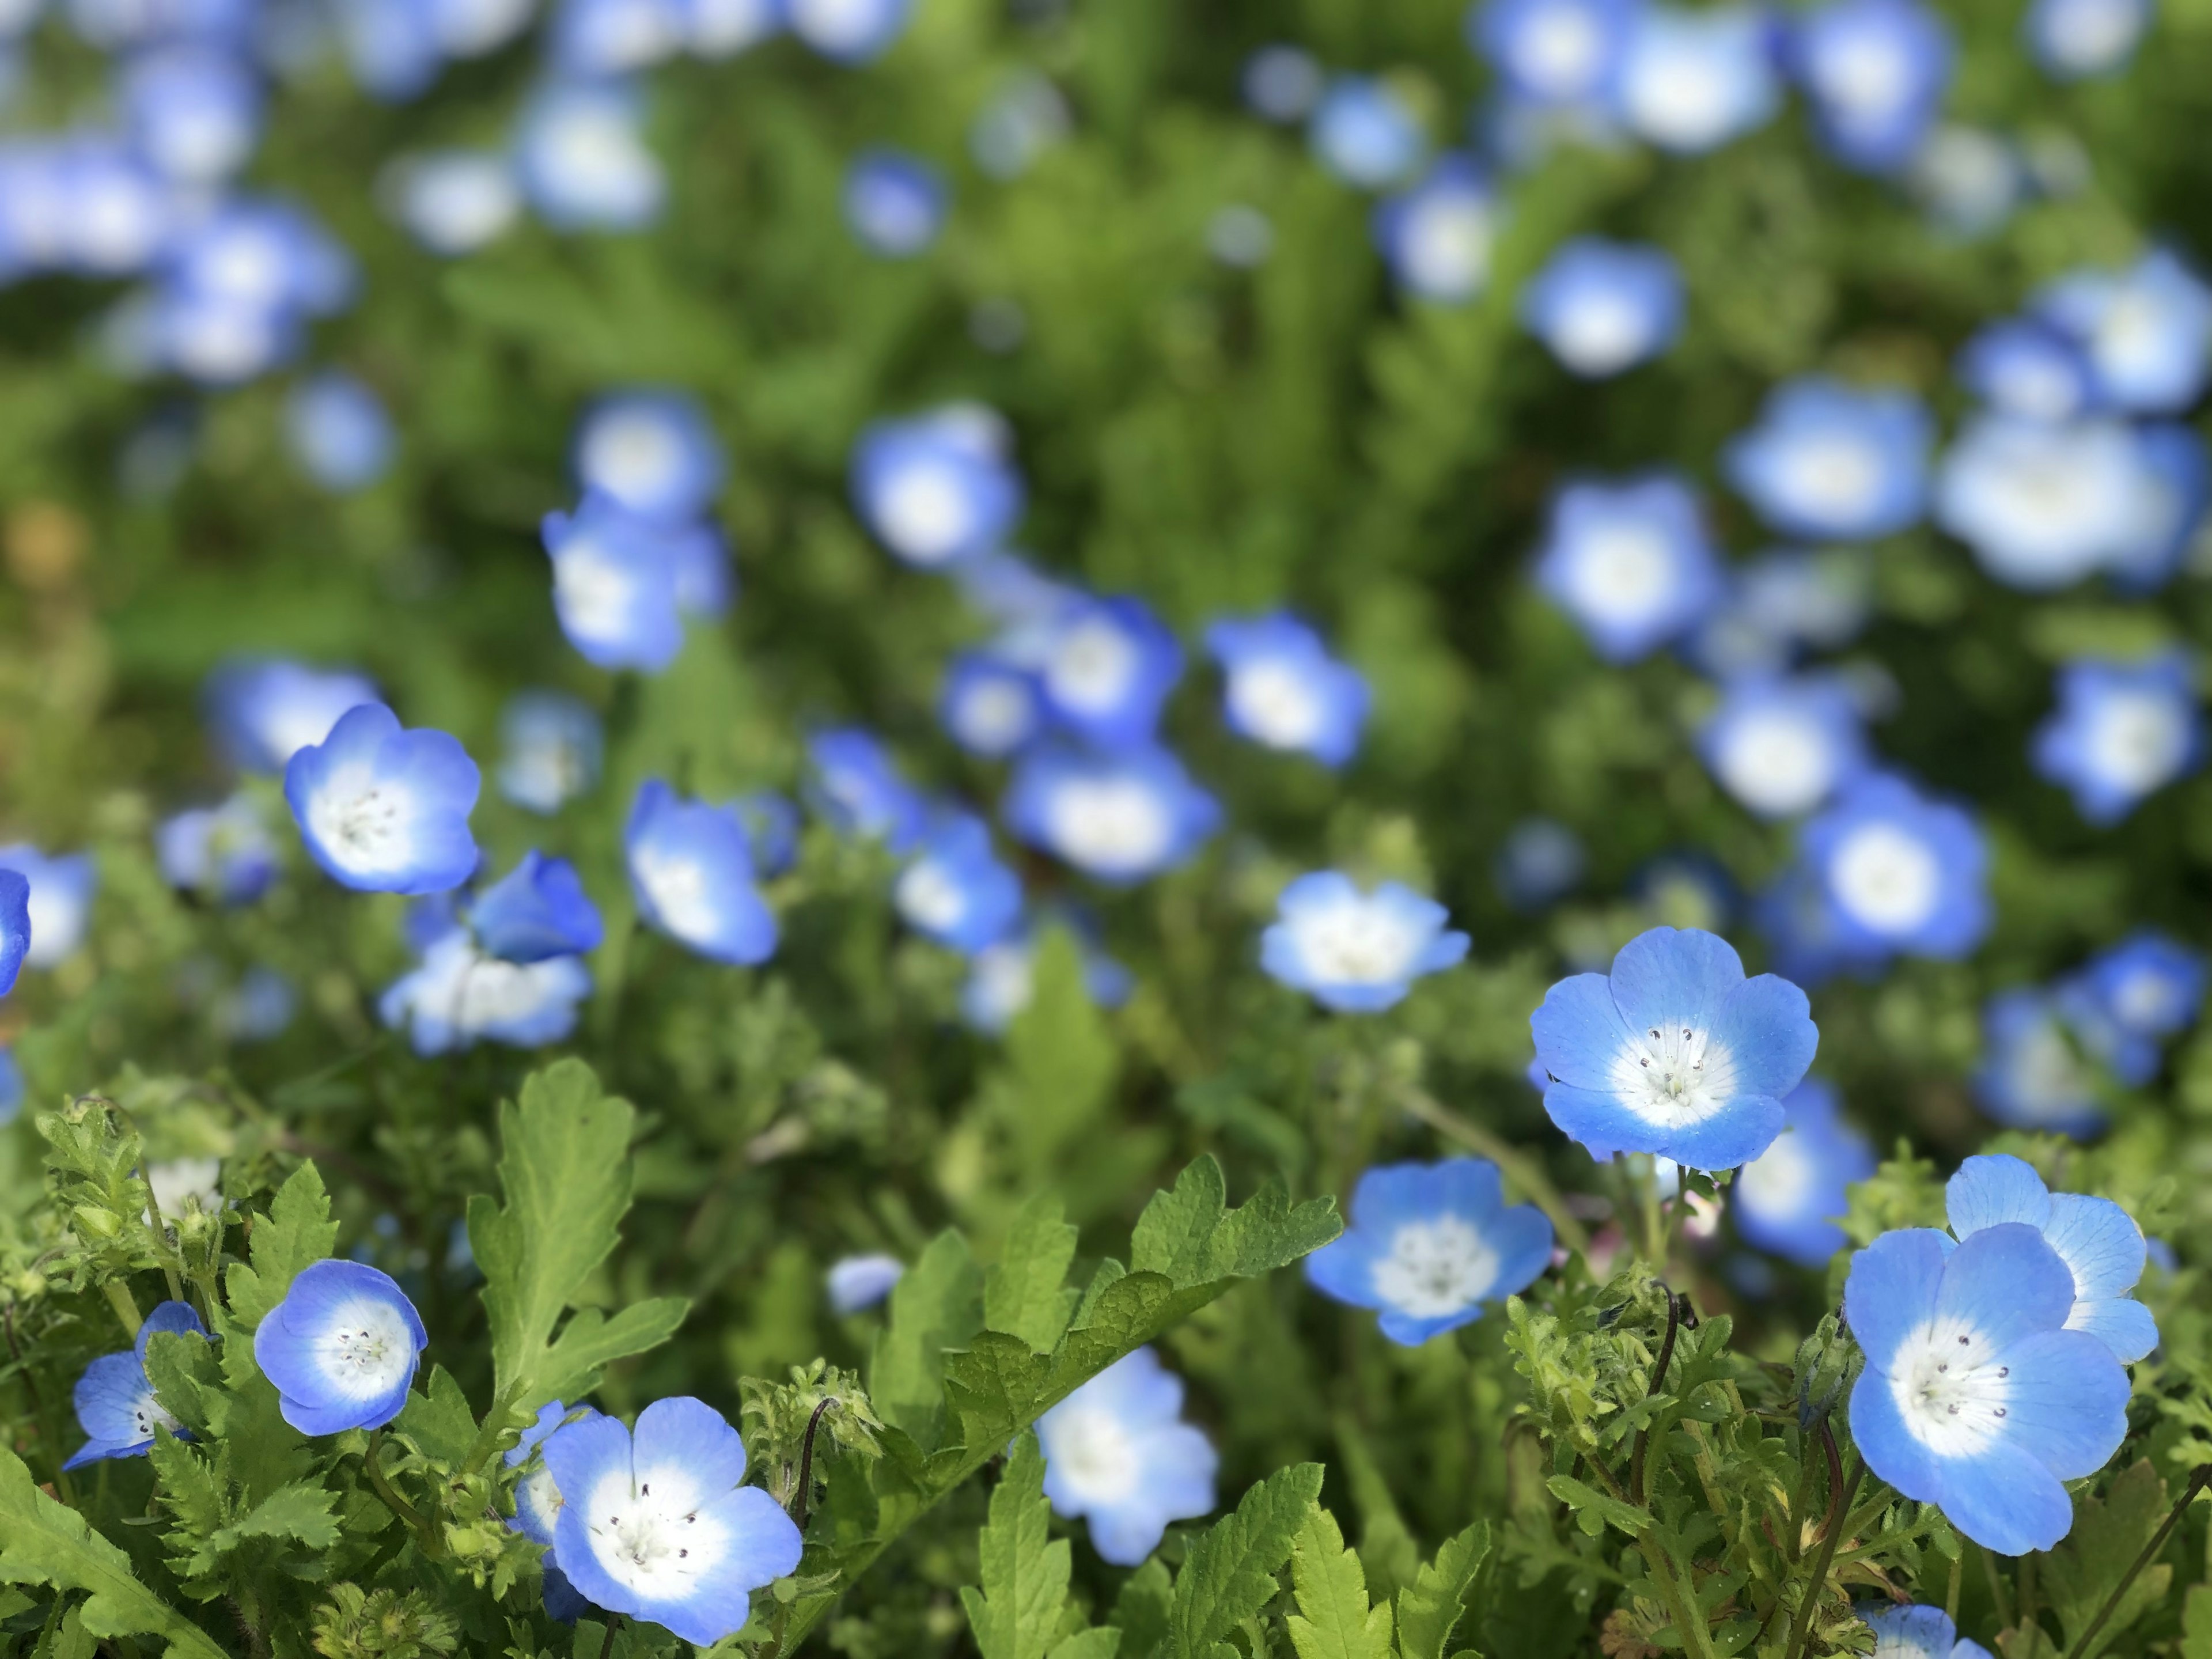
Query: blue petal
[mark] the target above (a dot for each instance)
(580, 1455)
(1599, 1120)
(1124, 1536)
(94, 1451)
(1891, 1450)
(176, 1318)
(765, 1544)
(2099, 1240)
(1995, 1188)
(1522, 1238)
(2005, 1500)
(1388, 1193)
(2120, 1323)
(2008, 1284)
(1468, 1188)
(1766, 1026)
(1675, 976)
(691, 1434)
(108, 1398)
(2068, 1404)
(1579, 1032)
(1344, 1268)
(1734, 1135)
(1925, 1633)
(1891, 1290)
(1408, 1331)
(1136, 1388)
(1180, 1464)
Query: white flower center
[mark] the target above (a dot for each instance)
(1094, 1454)
(366, 1349)
(929, 896)
(2144, 1001)
(147, 1414)
(1091, 670)
(1448, 242)
(1559, 49)
(538, 1499)
(1948, 1389)
(364, 819)
(632, 453)
(1781, 1181)
(993, 714)
(595, 153)
(1360, 942)
(1599, 333)
(1275, 703)
(1109, 823)
(924, 512)
(1673, 1075)
(1833, 475)
(593, 589)
(676, 884)
(1776, 761)
(1887, 880)
(2138, 739)
(1621, 572)
(657, 1539)
(1435, 1269)
(1005, 979)
(1866, 74)
(2091, 34)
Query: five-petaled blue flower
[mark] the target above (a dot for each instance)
(263, 712)
(341, 1347)
(1917, 1633)
(854, 783)
(550, 750)
(1632, 563)
(2076, 39)
(955, 890)
(1120, 816)
(1899, 872)
(538, 909)
(1108, 666)
(222, 852)
(115, 1403)
(1602, 307)
(1429, 1244)
(1118, 1454)
(2099, 1243)
(938, 488)
(1788, 1197)
(385, 809)
(1830, 462)
(691, 868)
(2025, 368)
(1691, 80)
(1782, 747)
(340, 432)
(652, 452)
(855, 1282)
(1676, 1054)
(2144, 990)
(1437, 235)
(1362, 130)
(895, 203)
(1876, 71)
(460, 994)
(1551, 51)
(2122, 731)
(1282, 689)
(1357, 952)
(991, 705)
(2147, 330)
(2030, 1077)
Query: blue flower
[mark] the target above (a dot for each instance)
(537, 1505)
(955, 889)
(1002, 978)
(2099, 1243)
(538, 909)
(59, 904)
(2030, 1078)
(1120, 817)
(656, 1525)
(2174, 488)
(264, 256)
(848, 31)
(651, 452)
(1108, 666)
(2077, 40)
(715, 29)
(1788, 1199)
(15, 925)
(460, 994)
(1830, 463)
(11, 1085)
(1782, 747)
(1691, 80)
(771, 826)
(453, 201)
(2024, 368)
(604, 39)
(990, 706)
(854, 784)
(1876, 71)
(1900, 871)
(2150, 985)
(1602, 307)
(581, 159)
(115, 1403)
(939, 488)
(384, 809)
(223, 853)
(1117, 1453)
(1285, 691)
(615, 584)
(2045, 504)
(339, 431)
(1975, 1397)
(692, 871)
(1631, 563)
(1280, 83)
(1357, 952)
(2147, 331)
(2122, 731)
(193, 110)
(856, 1282)
(1429, 1244)
(1677, 1054)
(262, 712)
(1917, 1633)
(550, 749)
(1365, 133)
(341, 1347)
(1437, 235)
(1541, 859)
(895, 203)
(260, 1008)
(1551, 51)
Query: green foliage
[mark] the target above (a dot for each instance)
(1228, 1575)
(1334, 1619)
(1019, 1609)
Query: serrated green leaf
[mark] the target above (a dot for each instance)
(1023, 1571)
(190, 1487)
(591, 1341)
(937, 1305)
(181, 1369)
(1143, 1608)
(300, 1514)
(1334, 1619)
(1430, 1607)
(438, 1421)
(2108, 1534)
(1592, 1507)
(1228, 1574)
(296, 1233)
(1101, 1642)
(1026, 1294)
(993, 1386)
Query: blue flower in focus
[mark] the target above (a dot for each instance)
(771, 825)
(656, 1524)
(59, 903)
(1118, 1454)
(581, 159)
(1782, 747)
(1790, 1198)
(2147, 331)
(857, 1282)
(1551, 51)
(938, 488)
(1285, 691)
(339, 431)
(955, 889)
(1975, 1397)
(2122, 731)
(1281, 83)
(115, 1403)
(1002, 978)
(615, 584)
(1357, 952)
(2030, 1077)
(262, 712)
(341, 1347)
(1107, 667)
(1365, 133)
(848, 31)
(222, 852)
(538, 1504)
(550, 747)
(1876, 71)
(1541, 859)
(2025, 368)
(193, 111)
(1918, 1633)
(651, 452)
(854, 784)
(1676, 1054)
(2079, 39)
(989, 706)
(691, 869)
(1602, 307)
(1900, 872)
(1631, 563)
(604, 39)
(2042, 505)
(2099, 1243)
(384, 809)
(1119, 817)
(1437, 235)
(1691, 80)
(538, 909)
(453, 201)
(1828, 462)
(1429, 1244)
(460, 994)
(15, 929)
(895, 203)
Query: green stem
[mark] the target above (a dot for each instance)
(432, 1545)
(2197, 1481)
(1996, 1586)
(1681, 1595)
(1958, 1583)
(1525, 1172)
(125, 1306)
(489, 1436)
(1817, 1581)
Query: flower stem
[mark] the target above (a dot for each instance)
(2197, 1481)
(432, 1545)
(1839, 1509)
(126, 1308)
(1675, 1305)
(1526, 1173)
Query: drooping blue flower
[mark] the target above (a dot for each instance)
(691, 869)
(1790, 1198)
(1676, 1054)
(1541, 859)
(854, 784)
(1917, 1633)
(460, 994)
(1631, 563)
(2024, 368)
(1281, 83)
(115, 1403)
(59, 903)
(2099, 1243)
(955, 889)
(848, 31)
(261, 712)
(1429, 1244)
(1107, 669)
(1690, 81)
(857, 1282)
(2030, 1077)
(339, 431)
(1364, 131)
(341, 1347)
(223, 853)
(1876, 71)
(550, 746)
(2042, 504)
(582, 159)
(1002, 977)
(2079, 39)
(938, 488)
(615, 584)
(1829, 462)
(1437, 235)
(771, 825)
(538, 909)
(1119, 817)
(453, 201)
(895, 203)
(651, 452)
(1354, 951)
(990, 706)
(384, 809)
(15, 925)
(1282, 689)
(1551, 51)
(1602, 307)
(655, 1524)
(2122, 731)
(1975, 1397)
(2147, 331)
(1118, 1455)
(1900, 872)
(193, 110)
(1782, 747)
(538, 1504)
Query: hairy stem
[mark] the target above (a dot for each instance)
(2197, 1481)
(126, 1307)
(425, 1535)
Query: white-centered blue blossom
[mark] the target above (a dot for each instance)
(1437, 235)
(1969, 180)
(1428, 1245)
(391, 46)
(341, 1348)
(1120, 816)
(2042, 504)
(1782, 747)
(1281, 83)
(2149, 986)
(715, 29)
(858, 1282)
(1790, 1199)
(1876, 71)
(615, 584)
(895, 203)
(95, 208)
(848, 31)
(193, 110)
(1900, 871)
(853, 782)
(1002, 977)
(1690, 81)
(339, 431)
(936, 488)
(115, 1403)
(550, 749)
(1357, 952)
(1781, 605)
(1632, 563)
(1676, 1054)
(955, 889)
(2147, 331)
(538, 909)
(58, 905)
(2099, 1243)
(1107, 669)
(656, 1523)
(2121, 732)
(266, 254)
(453, 201)
(652, 452)
(582, 159)
(1917, 1633)
(691, 869)
(1365, 133)
(15, 925)
(2031, 1077)
(1830, 462)
(1975, 1397)
(223, 854)
(1551, 51)
(604, 39)
(460, 994)
(1602, 307)
(2028, 369)
(384, 809)
(537, 1503)
(1118, 1455)
(2078, 39)
(990, 706)
(261, 712)
(1282, 689)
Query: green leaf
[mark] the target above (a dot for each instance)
(2108, 1535)
(1020, 1608)
(1593, 1508)
(2196, 1624)
(439, 1420)
(936, 1305)
(1333, 1620)
(1188, 1235)
(994, 1387)
(1026, 1295)
(296, 1233)
(1228, 1574)
(300, 1513)
(180, 1366)
(1060, 1058)
(1102, 1643)
(43, 1542)
(1430, 1607)
(189, 1487)
(591, 1341)
(1143, 1608)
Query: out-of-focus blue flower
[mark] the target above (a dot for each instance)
(1357, 952)
(989, 706)
(1781, 605)
(1437, 235)
(15, 929)
(2172, 489)
(1676, 1054)
(2099, 1243)
(2076, 39)
(2122, 731)
(1782, 747)
(117, 25)
(339, 431)
(2147, 331)
(550, 750)
(1689, 81)
(1281, 83)
(771, 826)
(1551, 51)
(115, 1403)
(453, 201)
(691, 869)
(2044, 505)
(1631, 563)
(1969, 180)
(537, 1502)
(1831, 463)
(1365, 133)
(222, 852)
(2025, 368)
(1602, 307)
(194, 111)
(1118, 1454)
(848, 31)
(602, 38)
(1108, 666)
(1975, 1396)
(936, 488)
(1429, 1244)
(1282, 689)
(582, 162)
(853, 783)
(537, 910)
(955, 889)
(1540, 861)
(58, 906)
(267, 256)
(459, 995)
(111, 214)
(615, 584)
(1119, 817)
(1900, 871)
(2150, 985)
(1002, 978)
(391, 46)
(11, 1085)
(1790, 1198)
(895, 203)
(1876, 71)
(1918, 1633)
(2030, 1078)
(715, 29)
(1024, 118)
(384, 809)
(263, 711)
(858, 1282)
(341, 1347)
(260, 1009)
(652, 452)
